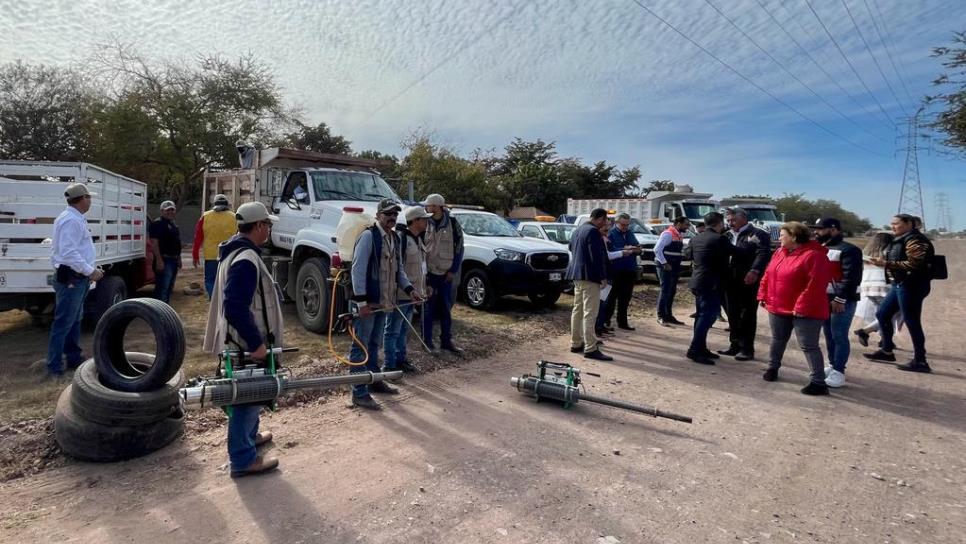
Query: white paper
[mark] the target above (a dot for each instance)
(605, 292)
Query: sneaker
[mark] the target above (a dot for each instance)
(815, 389)
(915, 366)
(881, 355)
(597, 356)
(744, 356)
(259, 466)
(834, 378)
(700, 358)
(263, 438)
(366, 402)
(828, 370)
(383, 387)
(863, 337)
(578, 349)
(663, 322)
(770, 375)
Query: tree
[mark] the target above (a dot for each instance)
(436, 169)
(798, 208)
(318, 138)
(658, 185)
(952, 96)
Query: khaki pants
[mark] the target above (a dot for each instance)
(584, 316)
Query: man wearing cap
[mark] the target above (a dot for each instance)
(72, 256)
(246, 314)
(843, 295)
(752, 252)
(166, 240)
(444, 255)
(214, 227)
(377, 274)
(414, 264)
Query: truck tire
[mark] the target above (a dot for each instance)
(477, 289)
(89, 441)
(546, 298)
(114, 368)
(313, 294)
(93, 401)
(109, 291)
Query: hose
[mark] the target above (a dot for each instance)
(349, 327)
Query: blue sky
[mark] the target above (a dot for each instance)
(604, 79)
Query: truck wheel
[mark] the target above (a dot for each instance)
(114, 368)
(313, 294)
(89, 441)
(94, 402)
(109, 291)
(546, 298)
(478, 290)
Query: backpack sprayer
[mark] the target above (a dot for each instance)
(560, 382)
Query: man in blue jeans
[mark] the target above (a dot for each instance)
(166, 240)
(444, 255)
(843, 295)
(72, 256)
(414, 264)
(667, 262)
(709, 253)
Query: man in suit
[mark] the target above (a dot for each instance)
(752, 251)
(709, 252)
(588, 270)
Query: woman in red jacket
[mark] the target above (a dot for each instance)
(793, 292)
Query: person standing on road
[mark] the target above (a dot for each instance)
(907, 266)
(843, 295)
(709, 252)
(444, 255)
(873, 288)
(668, 252)
(793, 290)
(72, 256)
(748, 262)
(623, 270)
(166, 240)
(414, 264)
(246, 314)
(214, 227)
(588, 271)
(377, 274)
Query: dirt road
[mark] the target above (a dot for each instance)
(462, 457)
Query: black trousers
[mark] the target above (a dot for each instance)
(741, 304)
(620, 296)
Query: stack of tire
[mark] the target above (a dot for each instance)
(120, 404)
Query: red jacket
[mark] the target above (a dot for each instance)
(795, 282)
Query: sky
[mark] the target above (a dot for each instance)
(604, 79)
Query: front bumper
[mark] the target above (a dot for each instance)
(519, 278)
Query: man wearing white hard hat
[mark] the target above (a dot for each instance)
(444, 247)
(413, 252)
(166, 240)
(72, 256)
(214, 227)
(246, 314)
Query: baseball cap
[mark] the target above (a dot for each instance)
(388, 205)
(827, 223)
(220, 200)
(75, 190)
(167, 205)
(253, 212)
(435, 199)
(416, 212)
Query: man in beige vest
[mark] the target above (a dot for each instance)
(444, 247)
(414, 264)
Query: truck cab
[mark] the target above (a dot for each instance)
(762, 213)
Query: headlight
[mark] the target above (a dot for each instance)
(509, 254)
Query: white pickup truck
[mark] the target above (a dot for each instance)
(32, 196)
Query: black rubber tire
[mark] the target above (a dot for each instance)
(113, 367)
(478, 290)
(312, 295)
(110, 290)
(94, 402)
(546, 298)
(89, 441)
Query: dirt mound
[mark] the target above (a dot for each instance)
(28, 447)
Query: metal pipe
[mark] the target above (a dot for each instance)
(642, 408)
(569, 394)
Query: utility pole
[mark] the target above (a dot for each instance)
(910, 195)
(944, 216)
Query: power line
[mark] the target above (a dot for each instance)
(785, 68)
(871, 54)
(846, 58)
(752, 83)
(889, 50)
(811, 58)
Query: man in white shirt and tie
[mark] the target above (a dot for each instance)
(72, 256)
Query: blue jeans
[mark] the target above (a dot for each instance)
(66, 329)
(669, 288)
(438, 307)
(907, 298)
(397, 331)
(369, 331)
(242, 428)
(837, 336)
(708, 302)
(211, 271)
(164, 280)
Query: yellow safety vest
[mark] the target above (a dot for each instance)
(217, 227)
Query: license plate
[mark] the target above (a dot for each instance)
(556, 276)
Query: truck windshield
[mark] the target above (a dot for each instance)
(559, 233)
(760, 214)
(484, 224)
(351, 186)
(698, 211)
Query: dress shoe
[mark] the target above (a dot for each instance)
(263, 438)
(627, 327)
(915, 366)
(366, 402)
(744, 356)
(815, 389)
(711, 355)
(578, 349)
(700, 358)
(881, 355)
(598, 356)
(694, 315)
(674, 321)
(731, 352)
(770, 375)
(383, 387)
(863, 337)
(258, 466)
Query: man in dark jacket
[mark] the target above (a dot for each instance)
(588, 270)
(843, 295)
(752, 251)
(908, 263)
(709, 252)
(623, 271)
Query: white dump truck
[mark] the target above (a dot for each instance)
(657, 207)
(31, 198)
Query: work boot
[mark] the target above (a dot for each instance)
(863, 337)
(263, 438)
(366, 402)
(598, 356)
(815, 389)
(383, 387)
(258, 466)
(408, 367)
(916, 366)
(881, 355)
(770, 375)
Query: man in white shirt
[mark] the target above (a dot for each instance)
(72, 256)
